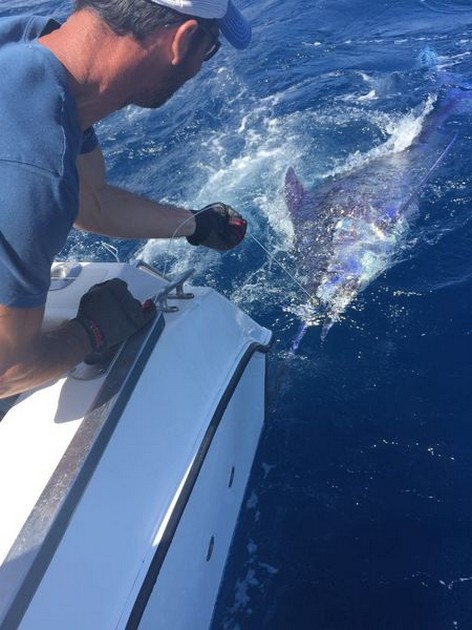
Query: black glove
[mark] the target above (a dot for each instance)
(218, 226)
(110, 314)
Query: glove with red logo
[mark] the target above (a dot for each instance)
(109, 314)
(218, 226)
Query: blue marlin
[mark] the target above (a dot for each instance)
(350, 229)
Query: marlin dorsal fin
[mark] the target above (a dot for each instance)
(295, 192)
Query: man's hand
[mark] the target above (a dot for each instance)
(218, 226)
(109, 314)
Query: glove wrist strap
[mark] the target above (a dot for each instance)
(95, 335)
(202, 228)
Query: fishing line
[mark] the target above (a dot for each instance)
(304, 327)
(425, 179)
(174, 235)
(274, 259)
(283, 368)
(271, 257)
(111, 249)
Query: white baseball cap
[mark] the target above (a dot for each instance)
(232, 24)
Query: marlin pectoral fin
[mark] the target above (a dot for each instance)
(295, 192)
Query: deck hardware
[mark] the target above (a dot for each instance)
(143, 266)
(63, 274)
(180, 294)
(166, 293)
(95, 365)
(211, 547)
(231, 477)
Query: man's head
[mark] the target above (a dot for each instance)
(140, 52)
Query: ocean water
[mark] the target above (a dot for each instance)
(358, 513)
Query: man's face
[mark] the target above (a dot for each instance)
(158, 83)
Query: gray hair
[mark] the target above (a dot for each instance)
(139, 18)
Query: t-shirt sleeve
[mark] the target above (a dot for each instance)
(33, 229)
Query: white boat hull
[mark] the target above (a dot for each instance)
(122, 509)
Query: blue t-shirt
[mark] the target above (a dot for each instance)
(40, 141)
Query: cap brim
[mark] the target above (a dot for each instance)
(235, 28)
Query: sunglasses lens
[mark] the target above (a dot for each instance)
(214, 45)
(211, 52)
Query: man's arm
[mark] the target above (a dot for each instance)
(112, 211)
(28, 357)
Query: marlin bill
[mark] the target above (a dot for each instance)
(350, 229)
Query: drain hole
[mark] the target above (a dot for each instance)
(211, 546)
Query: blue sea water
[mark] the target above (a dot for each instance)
(358, 514)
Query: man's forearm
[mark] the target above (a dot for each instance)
(116, 212)
(113, 211)
(48, 356)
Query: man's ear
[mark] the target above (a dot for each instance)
(182, 41)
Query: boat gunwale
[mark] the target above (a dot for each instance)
(44, 528)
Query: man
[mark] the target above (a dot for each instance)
(57, 82)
